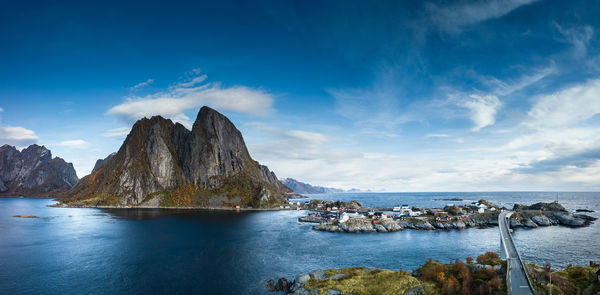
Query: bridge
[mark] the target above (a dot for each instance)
(518, 280)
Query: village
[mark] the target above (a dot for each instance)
(352, 217)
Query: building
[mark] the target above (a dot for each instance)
(381, 215)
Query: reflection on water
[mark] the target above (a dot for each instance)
(137, 251)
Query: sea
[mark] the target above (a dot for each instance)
(157, 251)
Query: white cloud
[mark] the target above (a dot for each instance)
(119, 133)
(483, 109)
(142, 84)
(18, 136)
(454, 17)
(188, 95)
(566, 107)
(1, 110)
(75, 144)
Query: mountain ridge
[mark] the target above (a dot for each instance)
(163, 164)
(305, 188)
(33, 172)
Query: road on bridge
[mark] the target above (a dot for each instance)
(517, 279)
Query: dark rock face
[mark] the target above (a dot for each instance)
(33, 172)
(161, 163)
(100, 162)
(554, 206)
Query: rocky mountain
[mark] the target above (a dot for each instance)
(305, 188)
(99, 162)
(33, 172)
(162, 163)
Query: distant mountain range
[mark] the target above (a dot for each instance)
(33, 172)
(163, 164)
(305, 188)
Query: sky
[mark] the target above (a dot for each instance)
(496, 95)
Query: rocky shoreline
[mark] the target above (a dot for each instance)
(63, 205)
(540, 214)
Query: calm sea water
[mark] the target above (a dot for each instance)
(96, 251)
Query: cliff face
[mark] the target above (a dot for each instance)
(161, 163)
(33, 172)
(99, 162)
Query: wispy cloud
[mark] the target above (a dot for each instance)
(17, 136)
(453, 18)
(566, 107)
(579, 37)
(376, 110)
(482, 109)
(142, 84)
(74, 144)
(190, 95)
(437, 135)
(120, 132)
(507, 87)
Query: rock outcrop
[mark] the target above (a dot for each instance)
(162, 163)
(99, 162)
(33, 172)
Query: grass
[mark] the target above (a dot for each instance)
(360, 280)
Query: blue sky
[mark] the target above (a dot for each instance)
(394, 96)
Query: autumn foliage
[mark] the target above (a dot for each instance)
(462, 279)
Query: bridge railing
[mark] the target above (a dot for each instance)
(506, 254)
(519, 257)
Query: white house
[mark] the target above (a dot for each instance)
(344, 217)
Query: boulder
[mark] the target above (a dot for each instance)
(541, 220)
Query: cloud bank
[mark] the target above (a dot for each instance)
(192, 94)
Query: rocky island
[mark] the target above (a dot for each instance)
(163, 164)
(33, 172)
(482, 214)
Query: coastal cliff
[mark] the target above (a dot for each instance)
(33, 172)
(163, 164)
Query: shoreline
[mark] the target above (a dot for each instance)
(59, 205)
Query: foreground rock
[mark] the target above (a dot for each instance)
(487, 276)
(33, 172)
(162, 164)
(354, 280)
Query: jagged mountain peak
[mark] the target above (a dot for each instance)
(161, 162)
(33, 172)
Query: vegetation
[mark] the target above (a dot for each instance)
(489, 258)
(431, 278)
(571, 280)
(360, 280)
(461, 278)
